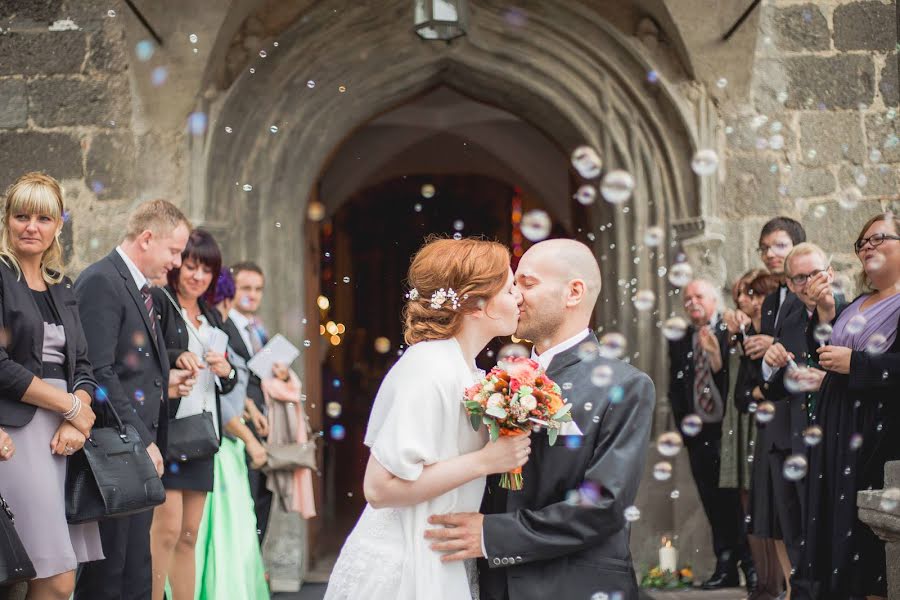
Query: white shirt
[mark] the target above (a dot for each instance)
(546, 357)
(767, 371)
(203, 394)
(240, 321)
(139, 279)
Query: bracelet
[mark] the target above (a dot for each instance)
(73, 412)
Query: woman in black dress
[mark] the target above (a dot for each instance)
(859, 415)
(187, 330)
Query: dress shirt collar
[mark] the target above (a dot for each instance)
(240, 321)
(545, 358)
(139, 278)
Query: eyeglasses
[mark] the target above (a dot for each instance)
(781, 248)
(876, 239)
(803, 278)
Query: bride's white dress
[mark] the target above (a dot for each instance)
(418, 419)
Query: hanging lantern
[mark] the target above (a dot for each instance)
(440, 19)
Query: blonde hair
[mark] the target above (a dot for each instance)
(476, 270)
(159, 216)
(804, 249)
(34, 193)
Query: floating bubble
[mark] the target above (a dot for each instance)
(158, 76)
(512, 351)
(278, 224)
(586, 161)
(705, 162)
(307, 343)
(616, 395)
(776, 142)
(315, 211)
(573, 442)
(457, 236)
(342, 89)
(632, 514)
(819, 211)
(758, 121)
(812, 435)
(875, 155)
(586, 194)
(644, 300)
(674, 329)
(458, 225)
(675, 495)
(197, 123)
(601, 375)
(721, 83)
(856, 324)
(228, 129)
(333, 409)
(600, 596)
(144, 50)
(782, 97)
(652, 76)
(662, 471)
(427, 190)
(795, 467)
(111, 14)
(890, 499)
(822, 332)
(617, 186)
(262, 54)
(417, 207)
(587, 351)
(273, 129)
(800, 379)
(139, 395)
(681, 274)
(310, 84)
(849, 197)
(193, 38)
(535, 225)
(691, 425)
(765, 412)
(382, 345)
(337, 432)
(877, 344)
(612, 345)
(247, 187)
(669, 443)
(856, 441)
(654, 236)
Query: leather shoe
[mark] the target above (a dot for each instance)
(750, 577)
(726, 576)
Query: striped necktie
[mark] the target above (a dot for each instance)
(148, 302)
(703, 398)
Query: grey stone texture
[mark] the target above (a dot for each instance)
(110, 165)
(57, 154)
(29, 11)
(868, 25)
(827, 138)
(78, 101)
(884, 520)
(837, 229)
(801, 27)
(830, 82)
(881, 131)
(13, 103)
(751, 187)
(878, 181)
(42, 53)
(106, 50)
(888, 83)
(806, 182)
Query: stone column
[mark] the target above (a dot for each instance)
(884, 519)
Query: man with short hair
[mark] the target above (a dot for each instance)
(128, 353)
(698, 389)
(247, 336)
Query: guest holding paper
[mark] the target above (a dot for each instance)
(190, 327)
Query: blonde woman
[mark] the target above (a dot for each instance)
(46, 385)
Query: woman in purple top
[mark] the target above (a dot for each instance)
(859, 412)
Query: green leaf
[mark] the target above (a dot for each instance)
(564, 410)
(553, 433)
(473, 405)
(476, 422)
(495, 431)
(565, 418)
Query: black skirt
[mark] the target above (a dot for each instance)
(194, 475)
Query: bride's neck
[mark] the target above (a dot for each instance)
(472, 342)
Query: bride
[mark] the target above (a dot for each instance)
(425, 458)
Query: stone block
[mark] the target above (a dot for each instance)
(107, 50)
(83, 102)
(751, 188)
(801, 27)
(872, 181)
(749, 136)
(13, 103)
(91, 15)
(22, 12)
(805, 182)
(888, 83)
(836, 230)
(830, 82)
(110, 165)
(56, 154)
(870, 25)
(827, 138)
(882, 134)
(43, 53)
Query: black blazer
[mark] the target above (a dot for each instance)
(681, 377)
(125, 348)
(539, 545)
(21, 348)
(254, 385)
(175, 335)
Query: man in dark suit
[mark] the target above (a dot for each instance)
(537, 543)
(698, 390)
(126, 348)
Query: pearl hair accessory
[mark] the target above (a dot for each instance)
(413, 294)
(441, 296)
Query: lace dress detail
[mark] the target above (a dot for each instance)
(369, 566)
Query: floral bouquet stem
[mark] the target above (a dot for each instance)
(512, 480)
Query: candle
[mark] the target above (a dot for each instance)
(668, 557)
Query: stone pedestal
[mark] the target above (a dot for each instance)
(884, 520)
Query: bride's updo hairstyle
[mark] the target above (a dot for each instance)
(450, 278)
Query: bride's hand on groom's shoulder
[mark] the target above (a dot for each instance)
(506, 454)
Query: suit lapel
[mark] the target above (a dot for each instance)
(131, 288)
(235, 339)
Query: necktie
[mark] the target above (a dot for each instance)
(255, 340)
(148, 302)
(702, 379)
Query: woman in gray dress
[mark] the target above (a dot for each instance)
(46, 385)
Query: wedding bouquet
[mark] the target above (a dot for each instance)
(511, 399)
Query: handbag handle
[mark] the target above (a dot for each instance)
(191, 330)
(103, 402)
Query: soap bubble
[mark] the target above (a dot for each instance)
(819, 211)
(586, 194)
(644, 300)
(111, 14)
(654, 236)
(612, 345)
(158, 76)
(877, 344)
(337, 432)
(262, 54)
(616, 394)
(247, 187)
(856, 441)
(587, 351)
(427, 190)
(273, 129)
(382, 345)
(617, 186)
(675, 495)
(669, 443)
(144, 50)
(681, 274)
(705, 162)
(193, 38)
(458, 225)
(674, 329)
(822, 332)
(765, 412)
(721, 83)
(315, 211)
(632, 514)
(662, 471)
(812, 435)
(535, 225)
(512, 351)
(890, 499)
(849, 197)
(601, 375)
(310, 84)
(197, 123)
(795, 467)
(856, 324)
(776, 142)
(586, 161)
(691, 425)
(333, 409)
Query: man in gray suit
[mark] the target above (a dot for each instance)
(546, 541)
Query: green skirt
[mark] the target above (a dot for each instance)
(229, 560)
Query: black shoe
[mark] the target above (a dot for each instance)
(750, 577)
(726, 576)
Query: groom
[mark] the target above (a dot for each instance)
(539, 542)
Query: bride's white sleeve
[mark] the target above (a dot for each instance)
(409, 422)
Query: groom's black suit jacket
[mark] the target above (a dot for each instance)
(539, 545)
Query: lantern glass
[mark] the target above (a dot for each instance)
(440, 19)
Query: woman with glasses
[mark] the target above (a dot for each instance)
(859, 415)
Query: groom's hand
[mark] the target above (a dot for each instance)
(460, 538)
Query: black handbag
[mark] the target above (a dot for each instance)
(192, 437)
(15, 566)
(111, 476)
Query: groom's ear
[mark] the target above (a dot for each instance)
(576, 292)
